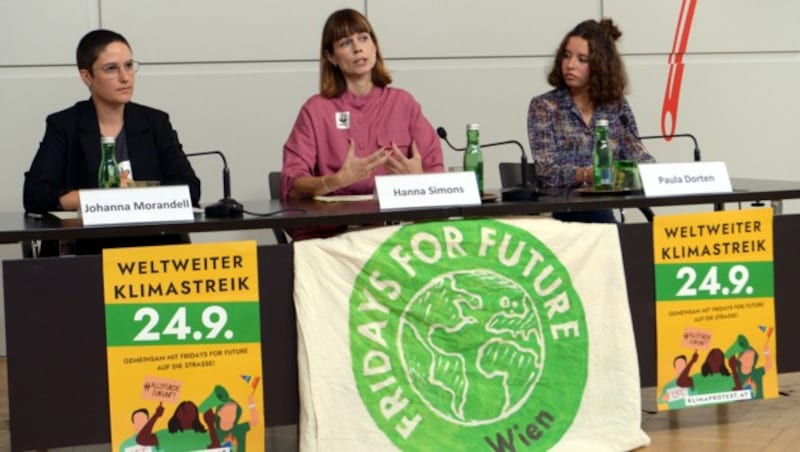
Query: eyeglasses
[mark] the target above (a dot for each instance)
(112, 70)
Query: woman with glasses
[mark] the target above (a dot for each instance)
(69, 154)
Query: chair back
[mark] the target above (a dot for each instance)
(274, 178)
(511, 174)
(274, 185)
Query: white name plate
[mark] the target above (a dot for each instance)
(135, 205)
(427, 190)
(689, 178)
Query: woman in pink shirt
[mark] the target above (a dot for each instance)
(357, 127)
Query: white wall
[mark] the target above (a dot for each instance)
(234, 74)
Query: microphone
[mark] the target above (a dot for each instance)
(524, 192)
(226, 207)
(624, 120)
(443, 135)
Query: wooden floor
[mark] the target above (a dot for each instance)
(766, 425)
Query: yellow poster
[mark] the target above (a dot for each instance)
(184, 347)
(715, 308)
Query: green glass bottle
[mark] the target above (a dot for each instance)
(473, 156)
(602, 157)
(108, 175)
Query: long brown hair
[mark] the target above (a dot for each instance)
(341, 24)
(607, 78)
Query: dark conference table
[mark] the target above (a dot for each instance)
(58, 392)
(16, 227)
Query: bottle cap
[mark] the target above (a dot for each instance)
(602, 123)
(107, 140)
(473, 127)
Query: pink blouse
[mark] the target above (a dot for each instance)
(319, 139)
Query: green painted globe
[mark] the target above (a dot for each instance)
(471, 345)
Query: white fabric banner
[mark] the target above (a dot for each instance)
(496, 335)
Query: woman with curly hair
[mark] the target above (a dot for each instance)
(589, 80)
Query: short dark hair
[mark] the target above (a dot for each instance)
(94, 42)
(140, 410)
(607, 78)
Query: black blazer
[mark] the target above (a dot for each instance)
(69, 154)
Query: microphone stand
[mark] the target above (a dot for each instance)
(226, 207)
(679, 135)
(524, 192)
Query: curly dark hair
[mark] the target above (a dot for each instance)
(607, 78)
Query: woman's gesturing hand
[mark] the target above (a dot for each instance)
(355, 169)
(398, 163)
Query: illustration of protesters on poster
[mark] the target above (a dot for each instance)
(715, 308)
(184, 348)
